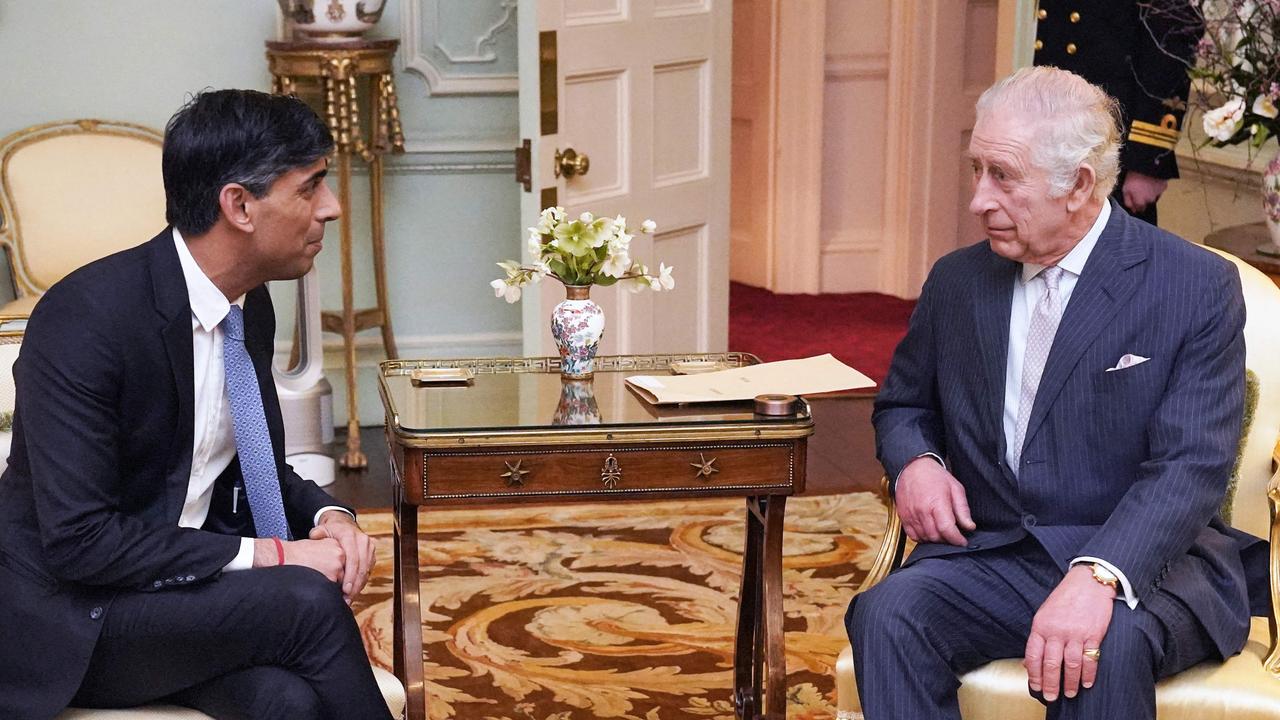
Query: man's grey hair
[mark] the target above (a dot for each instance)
(1077, 124)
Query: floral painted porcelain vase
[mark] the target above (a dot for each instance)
(577, 324)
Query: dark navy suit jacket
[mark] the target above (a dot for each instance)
(1129, 466)
(101, 460)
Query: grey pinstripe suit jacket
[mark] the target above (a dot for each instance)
(1130, 466)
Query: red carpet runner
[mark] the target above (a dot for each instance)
(860, 329)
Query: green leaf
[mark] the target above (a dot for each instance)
(605, 281)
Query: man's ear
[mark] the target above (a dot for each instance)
(233, 200)
(1081, 192)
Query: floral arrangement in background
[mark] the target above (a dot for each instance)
(1236, 70)
(583, 251)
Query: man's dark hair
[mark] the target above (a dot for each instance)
(234, 136)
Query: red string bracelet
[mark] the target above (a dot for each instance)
(279, 550)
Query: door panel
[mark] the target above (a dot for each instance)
(643, 91)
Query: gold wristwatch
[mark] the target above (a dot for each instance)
(1105, 576)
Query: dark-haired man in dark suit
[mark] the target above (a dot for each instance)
(153, 543)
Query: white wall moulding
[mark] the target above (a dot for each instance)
(681, 136)
(595, 12)
(604, 132)
(446, 163)
(460, 47)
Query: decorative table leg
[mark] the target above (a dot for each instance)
(354, 458)
(747, 649)
(408, 613)
(774, 640)
(380, 256)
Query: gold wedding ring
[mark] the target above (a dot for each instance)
(1093, 654)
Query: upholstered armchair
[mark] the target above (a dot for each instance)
(72, 192)
(11, 329)
(1245, 687)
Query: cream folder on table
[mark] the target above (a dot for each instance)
(809, 376)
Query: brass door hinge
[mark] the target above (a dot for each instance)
(524, 165)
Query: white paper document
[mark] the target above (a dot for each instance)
(809, 376)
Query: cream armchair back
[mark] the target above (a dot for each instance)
(1245, 687)
(72, 192)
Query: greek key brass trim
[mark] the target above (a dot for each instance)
(611, 473)
(706, 468)
(787, 484)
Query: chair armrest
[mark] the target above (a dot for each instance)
(894, 542)
(1272, 664)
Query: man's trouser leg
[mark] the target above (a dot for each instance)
(926, 624)
(199, 646)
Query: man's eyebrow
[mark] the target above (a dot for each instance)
(315, 177)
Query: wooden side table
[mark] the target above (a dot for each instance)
(331, 76)
(518, 435)
(1243, 241)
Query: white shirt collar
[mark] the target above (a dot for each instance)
(1075, 260)
(208, 304)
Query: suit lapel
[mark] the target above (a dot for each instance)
(173, 305)
(1104, 287)
(992, 299)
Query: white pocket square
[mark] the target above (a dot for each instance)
(1128, 361)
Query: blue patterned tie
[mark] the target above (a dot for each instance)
(253, 441)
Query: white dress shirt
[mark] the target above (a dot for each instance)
(1028, 288)
(215, 443)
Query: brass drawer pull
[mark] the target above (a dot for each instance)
(611, 473)
(515, 473)
(706, 468)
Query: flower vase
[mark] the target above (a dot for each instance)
(577, 404)
(1271, 206)
(577, 324)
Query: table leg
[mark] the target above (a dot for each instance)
(354, 458)
(380, 255)
(747, 648)
(775, 656)
(407, 614)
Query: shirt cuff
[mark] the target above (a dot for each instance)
(316, 520)
(1126, 591)
(243, 559)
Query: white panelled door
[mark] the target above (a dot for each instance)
(641, 87)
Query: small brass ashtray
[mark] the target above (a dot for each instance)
(423, 377)
(776, 405)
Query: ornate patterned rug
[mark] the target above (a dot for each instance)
(615, 611)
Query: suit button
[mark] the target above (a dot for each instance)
(1028, 521)
(95, 613)
(1039, 44)
(1074, 17)
(190, 578)
(158, 583)
(1071, 48)
(1042, 14)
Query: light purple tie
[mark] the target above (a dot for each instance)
(253, 440)
(1044, 325)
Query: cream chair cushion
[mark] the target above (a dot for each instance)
(392, 692)
(74, 192)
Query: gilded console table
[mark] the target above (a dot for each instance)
(333, 77)
(518, 434)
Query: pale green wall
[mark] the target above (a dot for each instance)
(452, 206)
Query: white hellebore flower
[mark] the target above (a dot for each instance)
(641, 279)
(648, 226)
(616, 263)
(664, 277)
(1221, 123)
(1262, 105)
(510, 293)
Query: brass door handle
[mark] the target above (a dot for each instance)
(569, 163)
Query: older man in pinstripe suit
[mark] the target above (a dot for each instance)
(1060, 423)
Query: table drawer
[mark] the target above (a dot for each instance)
(602, 472)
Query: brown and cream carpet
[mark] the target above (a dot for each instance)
(615, 610)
